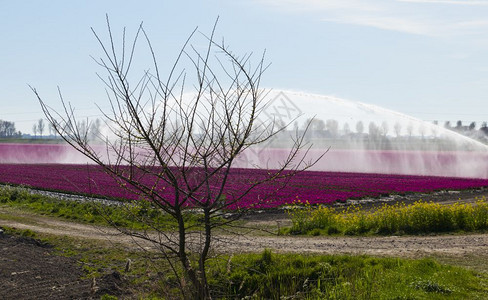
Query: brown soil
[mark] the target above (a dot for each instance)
(30, 270)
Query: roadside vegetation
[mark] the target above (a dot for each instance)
(138, 216)
(269, 275)
(397, 219)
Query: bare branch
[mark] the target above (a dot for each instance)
(176, 149)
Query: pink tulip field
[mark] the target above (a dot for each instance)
(312, 186)
(50, 167)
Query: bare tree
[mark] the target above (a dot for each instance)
(95, 129)
(175, 150)
(346, 130)
(40, 126)
(459, 125)
(332, 127)
(398, 129)
(373, 130)
(7, 129)
(384, 128)
(484, 128)
(410, 130)
(422, 131)
(315, 125)
(50, 128)
(472, 126)
(434, 128)
(359, 127)
(34, 129)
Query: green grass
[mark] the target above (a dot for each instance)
(417, 218)
(32, 140)
(280, 276)
(273, 276)
(138, 215)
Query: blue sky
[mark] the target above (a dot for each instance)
(425, 58)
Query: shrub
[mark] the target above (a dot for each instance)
(417, 218)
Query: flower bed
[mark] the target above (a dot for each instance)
(315, 187)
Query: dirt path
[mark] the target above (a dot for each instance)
(29, 270)
(404, 246)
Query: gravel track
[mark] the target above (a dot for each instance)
(404, 246)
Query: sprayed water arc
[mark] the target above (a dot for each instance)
(360, 137)
(389, 142)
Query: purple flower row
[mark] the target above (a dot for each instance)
(312, 186)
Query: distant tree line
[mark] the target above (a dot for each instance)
(332, 129)
(470, 130)
(462, 128)
(381, 132)
(93, 128)
(7, 130)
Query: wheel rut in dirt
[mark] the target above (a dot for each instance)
(405, 246)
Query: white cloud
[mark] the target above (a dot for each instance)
(455, 2)
(387, 23)
(407, 16)
(313, 5)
